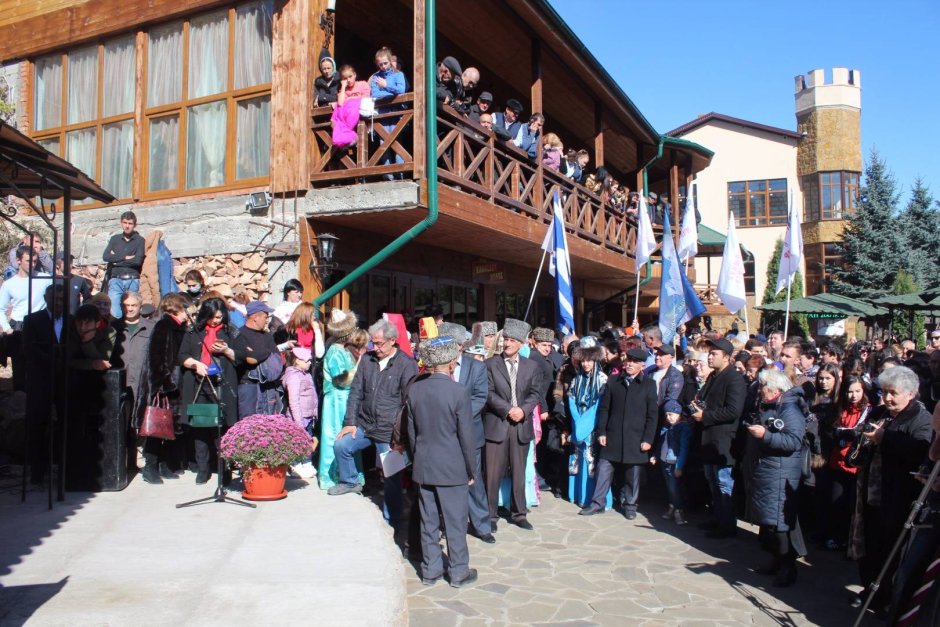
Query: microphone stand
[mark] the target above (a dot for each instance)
(220, 495)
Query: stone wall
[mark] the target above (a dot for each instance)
(833, 141)
(822, 232)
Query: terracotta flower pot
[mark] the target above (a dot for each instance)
(264, 484)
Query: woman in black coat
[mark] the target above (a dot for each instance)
(208, 343)
(326, 85)
(776, 444)
(162, 457)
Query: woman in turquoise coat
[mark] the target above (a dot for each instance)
(584, 397)
(339, 368)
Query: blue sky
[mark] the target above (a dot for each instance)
(678, 58)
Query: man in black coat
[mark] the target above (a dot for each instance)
(515, 388)
(718, 409)
(626, 427)
(440, 438)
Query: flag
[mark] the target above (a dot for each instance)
(678, 302)
(731, 278)
(688, 235)
(559, 266)
(792, 252)
(645, 240)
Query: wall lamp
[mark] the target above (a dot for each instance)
(326, 246)
(328, 23)
(258, 202)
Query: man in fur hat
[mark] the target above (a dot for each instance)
(515, 387)
(440, 439)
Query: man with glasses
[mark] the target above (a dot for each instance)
(934, 341)
(483, 104)
(718, 409)
(375, 399)
(449, 88)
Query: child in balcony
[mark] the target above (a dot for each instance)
(552, 149)
(346, 115)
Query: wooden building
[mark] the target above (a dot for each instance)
(182, 108)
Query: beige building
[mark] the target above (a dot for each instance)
(757, 170)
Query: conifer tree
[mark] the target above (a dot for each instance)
(919, 228)
(799, 324)
(901, 321)
(871, 251)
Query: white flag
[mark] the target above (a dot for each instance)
(645, 240)
(731, 279)
(688, 235)
(792, 253)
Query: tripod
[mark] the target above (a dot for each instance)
(916, 507)
(220, 495)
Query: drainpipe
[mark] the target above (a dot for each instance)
(430, 125)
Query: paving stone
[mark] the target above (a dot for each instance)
(532, 612)
(458, 606)
(495, 588)
(433, 618)
(571, 610)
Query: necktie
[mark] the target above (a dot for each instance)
(512, 382)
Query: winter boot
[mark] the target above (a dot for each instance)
(679, 518)
(151, 473)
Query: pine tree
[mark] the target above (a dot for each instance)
(871, 250)
(901, 320)
(799, 324)
(920, 236)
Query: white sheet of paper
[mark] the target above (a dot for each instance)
(393, 462)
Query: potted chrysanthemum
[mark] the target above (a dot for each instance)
(264, 446)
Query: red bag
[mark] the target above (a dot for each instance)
(158, 419)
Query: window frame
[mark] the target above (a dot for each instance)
(141, 114)
(813, 190)
(766, 218)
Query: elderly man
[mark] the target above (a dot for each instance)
(515, 388)
(471, 373)
(652, 338)
(485, 333)
(718, 407)
(507, 124)
(441, 442)
(449, 87)
(626, 428)
(934, 341)
(375, 400)
(669, 380)
(482, 106)
(258, 363)
(469, 80)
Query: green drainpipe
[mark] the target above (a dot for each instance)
(430, 123)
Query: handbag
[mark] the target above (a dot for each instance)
(203, 415)
(158, 419)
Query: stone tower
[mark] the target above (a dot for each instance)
(829, 164)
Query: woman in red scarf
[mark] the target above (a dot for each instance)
(205, 344)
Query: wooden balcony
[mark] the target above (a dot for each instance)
(471, 161)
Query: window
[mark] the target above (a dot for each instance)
(830, 195)
(204, 98)
(821, 261)
(758, 203)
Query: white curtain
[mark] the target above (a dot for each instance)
(165, 65)
(51, 144)
(253, 151)
(164, 153)
(83, 85)
(205, 145)
(117, 157)
(253, 44)
(80, 147)
(47, 99)
(120, 56)
(208, 54)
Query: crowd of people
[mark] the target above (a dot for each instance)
(816, 444)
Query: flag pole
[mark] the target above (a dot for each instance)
(636, 304)
(747, 325)
(786, 319)
(535, 286)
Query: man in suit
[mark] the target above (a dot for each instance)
(515, 387)
(472, 373)
(42, 333)
(719, 411)
(440, 438)
(626, 427)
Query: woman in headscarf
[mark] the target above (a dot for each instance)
(327, 84)
(584, 397)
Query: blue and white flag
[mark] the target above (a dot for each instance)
(559, 266)
(645, 240)
(678, 302)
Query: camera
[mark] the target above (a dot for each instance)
(695, 406)
(775, 425)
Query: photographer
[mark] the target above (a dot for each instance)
(774, 446)
(886, 488)
(718, 407)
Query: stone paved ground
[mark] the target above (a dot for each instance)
(605, 570)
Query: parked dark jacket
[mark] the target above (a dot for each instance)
(777, 462)
(165, 341)
(375, 397)
(723, 394)
(440, 431)
(192, 347)
(627, 416)
(903, 449)
(118, 250)
(326, 90)
(670, 387)
(131, 352)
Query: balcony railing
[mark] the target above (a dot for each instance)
(471, 159)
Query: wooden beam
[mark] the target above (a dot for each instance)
(598, 134)
(417, 80)
(674, 195)
(536, 76)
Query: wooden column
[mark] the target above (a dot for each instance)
(417, 80)
(537, 76)
(598, 135)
